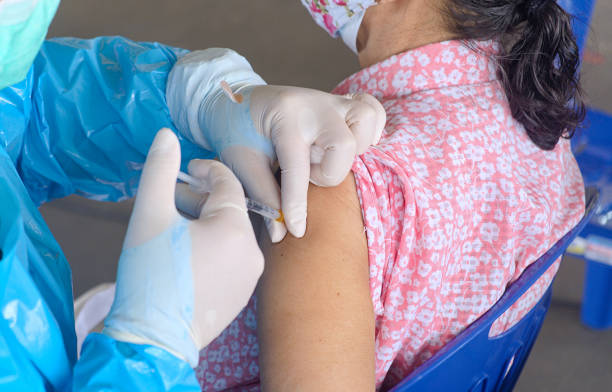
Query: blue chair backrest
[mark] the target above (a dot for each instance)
(474, 362)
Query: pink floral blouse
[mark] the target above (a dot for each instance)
(457, 201)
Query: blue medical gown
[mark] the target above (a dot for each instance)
(81, 122)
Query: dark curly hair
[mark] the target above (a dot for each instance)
(538, 63)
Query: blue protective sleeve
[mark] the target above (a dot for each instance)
(96, 106)
(110, 365)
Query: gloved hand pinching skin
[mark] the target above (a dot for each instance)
(314, 135)
(180, 282)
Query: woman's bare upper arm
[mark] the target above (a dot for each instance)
(315, 317)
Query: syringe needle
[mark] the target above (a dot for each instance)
(264, 210)
(252, 205)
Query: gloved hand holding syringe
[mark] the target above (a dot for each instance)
(256, 207)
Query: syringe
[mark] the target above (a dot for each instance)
(252, 205)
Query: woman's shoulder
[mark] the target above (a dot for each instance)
(458, 153)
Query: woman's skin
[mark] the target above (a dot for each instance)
(315, 316)
(396, 26)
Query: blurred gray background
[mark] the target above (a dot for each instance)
(286, 47)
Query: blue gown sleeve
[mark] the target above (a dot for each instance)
(96, 106)
(110, 365)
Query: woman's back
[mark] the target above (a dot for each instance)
(456, 199)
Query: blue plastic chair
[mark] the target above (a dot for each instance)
(474, 362)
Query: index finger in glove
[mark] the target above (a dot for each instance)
(366, 118)
(226, 192)
(189, 202)
(254, 171)
(294, 160)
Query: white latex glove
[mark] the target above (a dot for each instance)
(180, 282)
(315, 135)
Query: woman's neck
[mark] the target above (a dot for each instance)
(396, 26)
